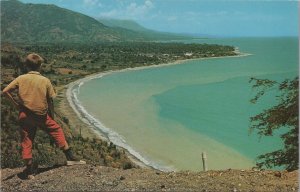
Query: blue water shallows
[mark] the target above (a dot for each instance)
(170, 115)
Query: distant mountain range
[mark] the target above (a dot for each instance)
(49, 23)
(126, 24)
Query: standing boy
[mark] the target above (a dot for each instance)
(35, 96)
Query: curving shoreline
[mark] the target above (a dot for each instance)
(72, 89)
(99, 128)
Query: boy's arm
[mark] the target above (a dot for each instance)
(11, 99)
(50, 107)
(7, 92)
(50, 95)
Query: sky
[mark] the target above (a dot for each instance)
(205, 17)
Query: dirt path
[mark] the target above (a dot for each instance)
(97, 178)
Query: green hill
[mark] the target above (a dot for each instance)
(36, 22)
(126, 24)
(49, 23)
(146, 33)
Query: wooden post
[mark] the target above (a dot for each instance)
(204, 157)
(80, 131)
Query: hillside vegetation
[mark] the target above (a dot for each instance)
(147, 33)
(126, 24)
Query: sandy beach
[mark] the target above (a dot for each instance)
(76, 124)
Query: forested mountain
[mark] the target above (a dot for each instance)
(146, 33)
(126, 24)
(22, 22)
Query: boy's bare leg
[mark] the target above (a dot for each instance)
(28, 162)
(65, 147)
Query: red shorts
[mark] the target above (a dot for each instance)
(29, 123)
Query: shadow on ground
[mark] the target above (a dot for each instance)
(37, 171)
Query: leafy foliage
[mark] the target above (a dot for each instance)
(283, 115)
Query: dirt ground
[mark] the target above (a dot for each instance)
(98, 178)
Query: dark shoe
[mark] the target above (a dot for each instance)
(71, 159)
(29, 172)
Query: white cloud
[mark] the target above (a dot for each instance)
(139, 10)
(149, 4)
(110, 14)
(130, 11)
(91, 2)
(172, 18)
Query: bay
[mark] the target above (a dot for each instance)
(170, 115)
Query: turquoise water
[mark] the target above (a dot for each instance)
(169, 115)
